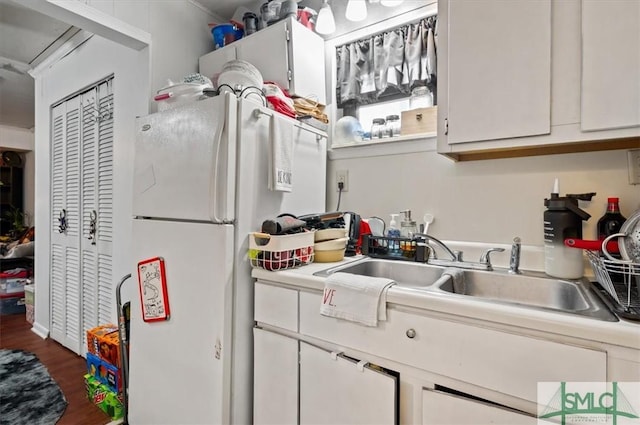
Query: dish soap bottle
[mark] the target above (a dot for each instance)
(408, 228)
(563, 219)
(393, 233)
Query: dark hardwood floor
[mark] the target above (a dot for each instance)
(65, 367)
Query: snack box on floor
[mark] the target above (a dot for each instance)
(108, 401)
(104, 341)
(104, 372)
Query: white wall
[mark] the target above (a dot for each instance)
(179, 35)
(482, 201)
(14, 138)
(179, 31)
(22, 140)
(90, 62)
(487, 201)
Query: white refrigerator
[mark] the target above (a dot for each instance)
(200, 188)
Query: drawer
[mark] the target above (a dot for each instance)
(276, 306)
(500, 361)
(446, 409)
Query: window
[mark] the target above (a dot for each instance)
(376, 74)
(366, 113)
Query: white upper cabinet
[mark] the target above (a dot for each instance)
(499, 69)
(537, 76)
(286, 53)
(610, 64)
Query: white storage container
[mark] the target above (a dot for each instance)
(280, 252)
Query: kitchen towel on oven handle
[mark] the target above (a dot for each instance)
(360, 299)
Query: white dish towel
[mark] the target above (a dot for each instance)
(281, 155)
(356, 298)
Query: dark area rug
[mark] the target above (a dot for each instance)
(28, 395)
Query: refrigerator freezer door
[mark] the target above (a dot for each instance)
(185, 162)
(180, 368)
(309, 168)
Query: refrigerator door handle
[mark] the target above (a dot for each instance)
(215, 170)
(223, 197)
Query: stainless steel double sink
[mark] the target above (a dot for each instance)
(530, 290)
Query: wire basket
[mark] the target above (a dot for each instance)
(394, 248)
(620, 279)
(280, 252)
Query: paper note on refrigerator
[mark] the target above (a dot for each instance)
(154, 300)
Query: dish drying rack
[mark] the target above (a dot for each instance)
(619, 283)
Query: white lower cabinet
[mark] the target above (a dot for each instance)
(450, 372)
(468, 353)
(335, 389)
(440, 408)
(275, 378)
(323, 387)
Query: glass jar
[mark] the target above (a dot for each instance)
(377, 128)
(421, 97)
(392, 128)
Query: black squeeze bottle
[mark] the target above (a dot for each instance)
(611, 221)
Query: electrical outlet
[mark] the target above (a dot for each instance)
(634, 166)
(342, 176)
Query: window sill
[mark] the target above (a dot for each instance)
(390, 146)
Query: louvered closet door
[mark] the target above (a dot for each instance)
(65, 204)
(82, 289)
(97, 208)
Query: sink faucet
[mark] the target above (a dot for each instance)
(514, 261)
(456, 259)
(428, 239)
(486, 259)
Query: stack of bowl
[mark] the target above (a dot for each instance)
(330, 245)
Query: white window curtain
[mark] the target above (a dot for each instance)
(387, 65)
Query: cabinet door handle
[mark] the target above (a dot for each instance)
(411, 333)
(62, 219)
(93, 219)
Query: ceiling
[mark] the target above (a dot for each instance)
(28, 37)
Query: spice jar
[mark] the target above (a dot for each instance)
(392, 127)
(377, 128)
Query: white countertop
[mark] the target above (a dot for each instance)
(622, 333)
